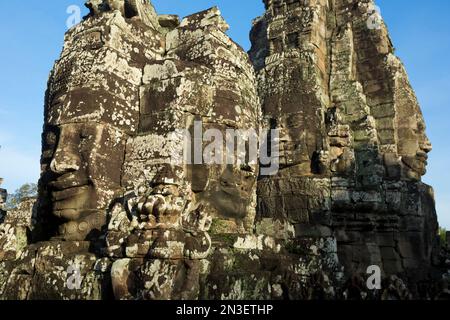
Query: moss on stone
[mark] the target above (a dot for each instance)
(218, 226)
(295, 248)
(227, 239)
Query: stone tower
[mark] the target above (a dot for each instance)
(354, 146)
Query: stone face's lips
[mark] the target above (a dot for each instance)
(70, 204)
(422, 155)
(69, 193)
(68, 214)
(70, 180)
(232, 190)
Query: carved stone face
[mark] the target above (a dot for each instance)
(82, 170)
(92, 107)
(224, 188)
(185, 97)
(231, 194)
(413, 147)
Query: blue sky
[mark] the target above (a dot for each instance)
(32, 37)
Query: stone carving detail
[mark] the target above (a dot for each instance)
(121, 214)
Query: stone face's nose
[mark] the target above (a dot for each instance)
(426, 145)
(66, 158)
(64, 162)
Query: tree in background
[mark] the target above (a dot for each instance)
(28, 190)
(443, 236)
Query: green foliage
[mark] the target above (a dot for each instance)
(294, 248)
(218, 226)
(442, 235)
(28, 190)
